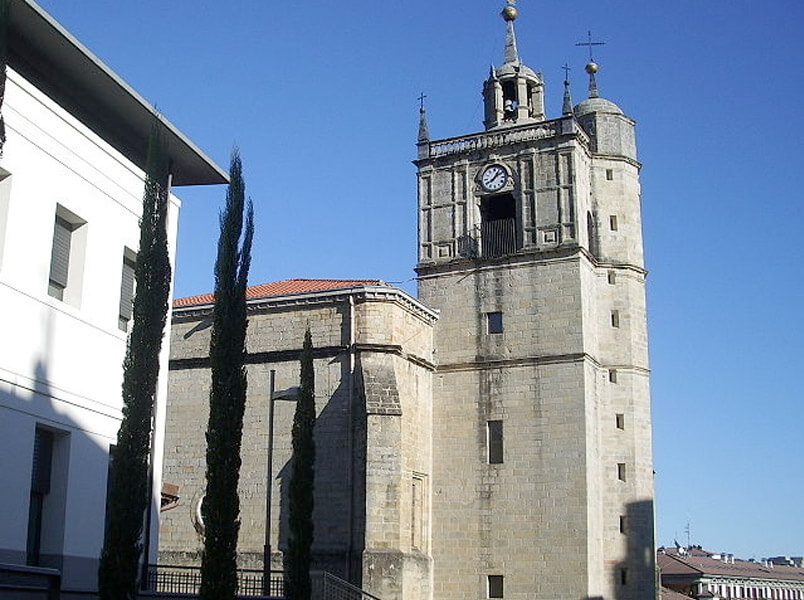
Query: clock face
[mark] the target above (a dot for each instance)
(494, 178)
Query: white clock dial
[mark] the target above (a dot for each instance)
(494, 178)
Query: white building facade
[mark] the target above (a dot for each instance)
(70, 202)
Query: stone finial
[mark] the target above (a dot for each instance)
(566, 109)
(424, 130)
(592, 68)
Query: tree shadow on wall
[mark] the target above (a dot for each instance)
(338, 515)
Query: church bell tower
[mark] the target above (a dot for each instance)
(530, 245)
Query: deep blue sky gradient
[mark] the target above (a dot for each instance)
(321, 97)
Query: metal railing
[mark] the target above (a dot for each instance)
(327, 586)
(176, 579)
(498, 238)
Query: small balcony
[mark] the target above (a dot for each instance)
(498, 238)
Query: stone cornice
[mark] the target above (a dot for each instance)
(548, 359)
(364, 293)
(294, 354)
(466, 266)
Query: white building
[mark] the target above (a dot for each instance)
(71, 183)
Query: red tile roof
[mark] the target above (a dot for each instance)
(668, 594)
(284, 288)
(671, 562)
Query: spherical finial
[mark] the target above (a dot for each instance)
(510, 13)
(591, 67)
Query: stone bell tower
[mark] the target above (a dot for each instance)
(530, 245)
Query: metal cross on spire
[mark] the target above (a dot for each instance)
(421, 101)
(566, 69)
(590, 43)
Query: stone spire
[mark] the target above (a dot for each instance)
(566, 109)
(424, 130)
(510, 14)
(423, 140)
(592, 68)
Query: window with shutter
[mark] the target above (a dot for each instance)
(60, 257)
(126, 291)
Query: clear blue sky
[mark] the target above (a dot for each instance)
(321, 98)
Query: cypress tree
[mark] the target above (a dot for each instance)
(297, 560)
(227, 398)
(128, 484)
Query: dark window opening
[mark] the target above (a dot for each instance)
(613, 375)
(495, 584)
(40, 487)
(510, 101)
(622, 524)
(623, 576)
(494, 322)
(591, 232)
(495, 442)
(109, 469)
(609, 174)
(621, 471)
(498, 225)
(619, 420)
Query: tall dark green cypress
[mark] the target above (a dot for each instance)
(300, 494)
(227, 398)
(128, 485)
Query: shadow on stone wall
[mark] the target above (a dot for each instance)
(339, 486)
(638, 568)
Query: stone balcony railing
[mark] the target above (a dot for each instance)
(496, 138)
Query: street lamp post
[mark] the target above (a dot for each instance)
(266, 550)
(290, 394)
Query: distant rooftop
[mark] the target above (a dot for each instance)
(286, 287)
(695, 560)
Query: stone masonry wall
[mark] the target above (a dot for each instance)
(392, 336)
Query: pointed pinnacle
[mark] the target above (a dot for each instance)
(424, 130)
(567, 108)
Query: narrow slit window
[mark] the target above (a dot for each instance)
(619, 420)
(494, 441)
(622, 524)
(615, 318)
(609, 174)
(612, 277)
(621, 471)
(613, 222)
(495, 586)
(494, 322)
(623, 576)
(612, 375)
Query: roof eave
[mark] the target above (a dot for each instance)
(45, 53)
